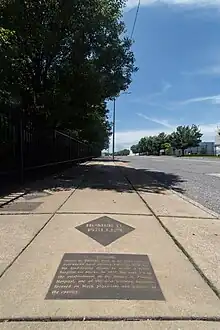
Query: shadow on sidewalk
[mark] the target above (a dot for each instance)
(11, 183)
(108, 177)
(109, 160)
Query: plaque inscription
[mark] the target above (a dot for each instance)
(105, 276)
(105, 230)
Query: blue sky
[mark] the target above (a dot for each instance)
(177, 50)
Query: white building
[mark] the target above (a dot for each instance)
(217, 141)
(204, 148)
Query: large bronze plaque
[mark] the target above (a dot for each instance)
(105, 230)
(105, 276)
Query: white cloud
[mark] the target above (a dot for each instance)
(162, 122)
(214, 99)
(147, 100)
(208, 71)
(165, 87)
(126, 139)
(210, 3)
(213, 70)
(144, 101)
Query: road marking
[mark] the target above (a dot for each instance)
(200, 160)
(214, 174)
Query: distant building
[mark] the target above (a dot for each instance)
(204, 148)
(217, 141)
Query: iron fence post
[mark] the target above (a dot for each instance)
(70, 147)
(21, 149)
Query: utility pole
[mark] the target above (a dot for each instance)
(113, 138)
(113, 128)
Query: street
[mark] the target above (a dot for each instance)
(197, 178)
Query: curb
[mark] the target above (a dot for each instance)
(175, 240)
(186, 198)
(191, 201)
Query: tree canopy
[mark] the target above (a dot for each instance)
(152, 145)
(60, 61)
(182, 138)
(185, 137)
(135, 149)
(124, 152)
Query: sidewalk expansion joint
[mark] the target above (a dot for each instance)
(178, 244)
(40, 230)
(109, 319)
(105, 213)
(186, 217)
(25, 213)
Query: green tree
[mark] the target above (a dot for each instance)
(61, 60)
(186, 137)
(146, 145)
(158, 143)
(135, 149)
(152, 145)
(142, 145)
(167, 147)
(124, 152)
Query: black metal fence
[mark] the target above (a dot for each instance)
(22, 148)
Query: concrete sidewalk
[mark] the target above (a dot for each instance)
(107, 247)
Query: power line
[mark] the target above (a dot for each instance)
(136, 16)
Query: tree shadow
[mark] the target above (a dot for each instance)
(10, 182)
(108, 177)
(109, 159)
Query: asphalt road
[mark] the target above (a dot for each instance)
(197, 178)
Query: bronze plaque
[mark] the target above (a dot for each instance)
(105, 230)
(105, 276)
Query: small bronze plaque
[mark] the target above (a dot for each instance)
(21, 206)
(105, 276)
(105, 230)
